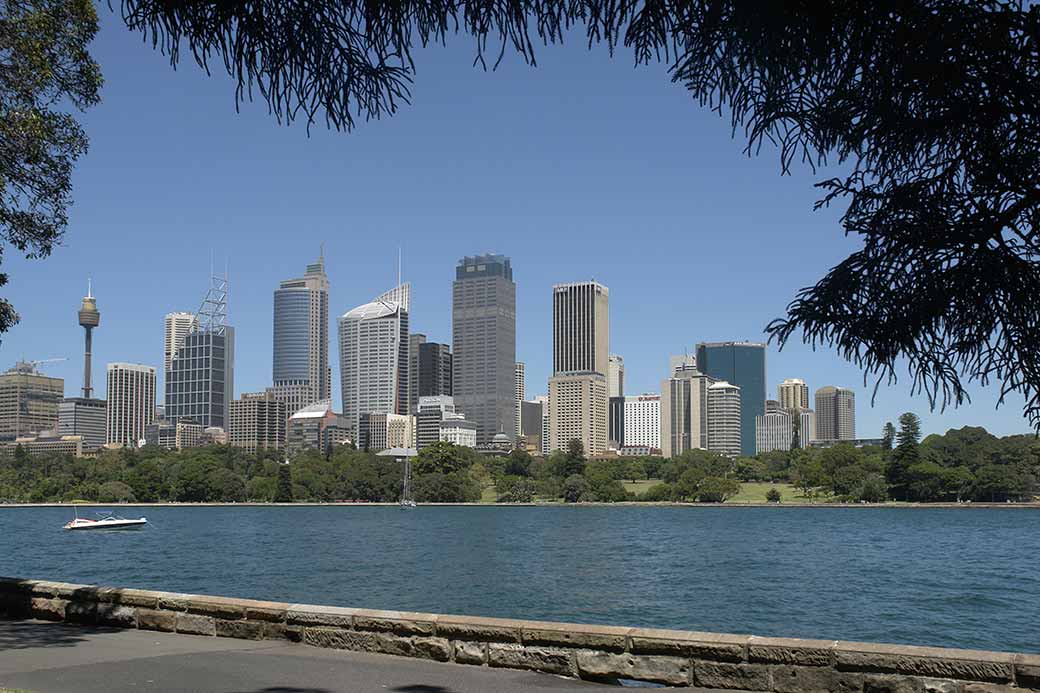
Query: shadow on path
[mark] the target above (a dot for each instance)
(26, 634)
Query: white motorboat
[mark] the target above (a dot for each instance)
(106, 521)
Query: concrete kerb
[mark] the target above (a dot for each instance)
(601, 653)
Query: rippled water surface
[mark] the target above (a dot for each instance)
(948, 577)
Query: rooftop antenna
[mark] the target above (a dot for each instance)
(90, 294)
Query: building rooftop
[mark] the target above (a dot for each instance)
(376, 309)
(318, 410)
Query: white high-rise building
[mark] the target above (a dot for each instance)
(177, 327)
(431, 411)
(130, 404)
(793, 394)
(521, 395)
(643, 421)
(373, 345)
(835, 413)
(544, 401)
(774, 431)
(724, 418)
(615, 376)
(806, 428)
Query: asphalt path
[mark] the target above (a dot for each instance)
(44, 657)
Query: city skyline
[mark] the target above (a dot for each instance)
(399, 179)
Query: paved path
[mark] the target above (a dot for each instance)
(39, 656)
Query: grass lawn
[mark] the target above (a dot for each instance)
(489, 494)
(639, 487)
(755, 492)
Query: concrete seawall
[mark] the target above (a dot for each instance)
(600, 653)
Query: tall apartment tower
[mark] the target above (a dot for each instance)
(835, 413)
(793, 394)
(521, 395)
(483, 318)
(643, 421)
(373, 352)
(615, 376)
(28, 401)
(724, 419)
(200, 381)
(684, 410)
(258, 421)
(742, 364)
(301, 373)
(131, 403)
(177, 326)
(578, 397)
(775, 430)
(806, 428)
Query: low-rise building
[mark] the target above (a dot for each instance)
(316, 427)
(454, 428)
(174, 435)
(258, 421)
(79, 416)
(44, 445)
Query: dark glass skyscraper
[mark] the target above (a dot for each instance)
(742, 364)
(484, 344)
(301, 339)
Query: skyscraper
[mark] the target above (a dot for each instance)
(578, 401)
(742, 364)
(684, 410)
(131, 402)
(521, 395)
(835, 413)
(615, 376)
(201, 378)
(28, 401)
(724, 419)
(434, 367)
(373, 347)
(415, 342)
(301, 373)
(483, 319)
(177, 325)
(775, 430)
(793, 394)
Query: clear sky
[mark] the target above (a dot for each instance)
(582, 168)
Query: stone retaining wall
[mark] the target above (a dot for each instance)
(601, 653)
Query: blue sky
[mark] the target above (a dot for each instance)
(584, 167)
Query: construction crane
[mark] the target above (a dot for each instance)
(30, 366)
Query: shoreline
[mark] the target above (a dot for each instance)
(628, 504)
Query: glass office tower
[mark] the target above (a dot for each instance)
(742, 364)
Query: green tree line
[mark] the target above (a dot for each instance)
(961, 465)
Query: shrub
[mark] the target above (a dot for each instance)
(773, 496)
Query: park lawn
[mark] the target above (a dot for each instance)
(639, 487)
(489, 494)
(755, 492)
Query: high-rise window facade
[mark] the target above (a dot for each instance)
(742, 364)
(301, 373)
(483, 319)
(724, 419)
(130, 403)
(28, 401)
(793, 394)
(835, 413)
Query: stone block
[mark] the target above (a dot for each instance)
(266, 611)
(811, 653)
(744, 677)
(54, 590)
(991, 688)
(129, 597)
(720, 647)
(275, 631)
(173, 601)
(933, 662)
(335, 638)
(479, 629)
(942, 686)
(399, 622)
(243, 630)
(48, 609)
(799, 679)
(118, 615)
(81, 612)
(196, 624)
(891, 683)
(308, 615)
(544, 659)
(470, 652)
(383, 643)
(1027, 670)
(672, 671)
(576, 635)
(153, 619)
(218, 607)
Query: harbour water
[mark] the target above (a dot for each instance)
(944, 577)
